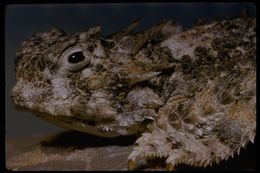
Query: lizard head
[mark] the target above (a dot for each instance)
(56, 74)
(84, 81)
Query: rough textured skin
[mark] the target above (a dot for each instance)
(190, 95)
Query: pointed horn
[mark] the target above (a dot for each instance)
(144, 36)
(95, 31)
(244, 13)
(126, 30)
(252, 137)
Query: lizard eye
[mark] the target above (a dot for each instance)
(76, 57)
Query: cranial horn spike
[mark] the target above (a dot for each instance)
(126, 30)
(54, 28)
(95, 31)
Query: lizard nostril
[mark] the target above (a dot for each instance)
(14, 94)
(16, 97)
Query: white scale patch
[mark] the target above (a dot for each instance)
(60, 87)
(177, 46)
(87, 73)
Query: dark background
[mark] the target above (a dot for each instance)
(22, 21)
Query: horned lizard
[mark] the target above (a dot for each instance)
(190, 95)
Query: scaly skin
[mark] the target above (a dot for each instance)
(190, 95)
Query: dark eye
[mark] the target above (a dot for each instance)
(76, 57)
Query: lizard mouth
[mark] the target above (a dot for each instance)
(77, 124)
(20, 107)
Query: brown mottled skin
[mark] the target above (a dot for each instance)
(190, 95)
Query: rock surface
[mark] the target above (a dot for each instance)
(78, 152)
